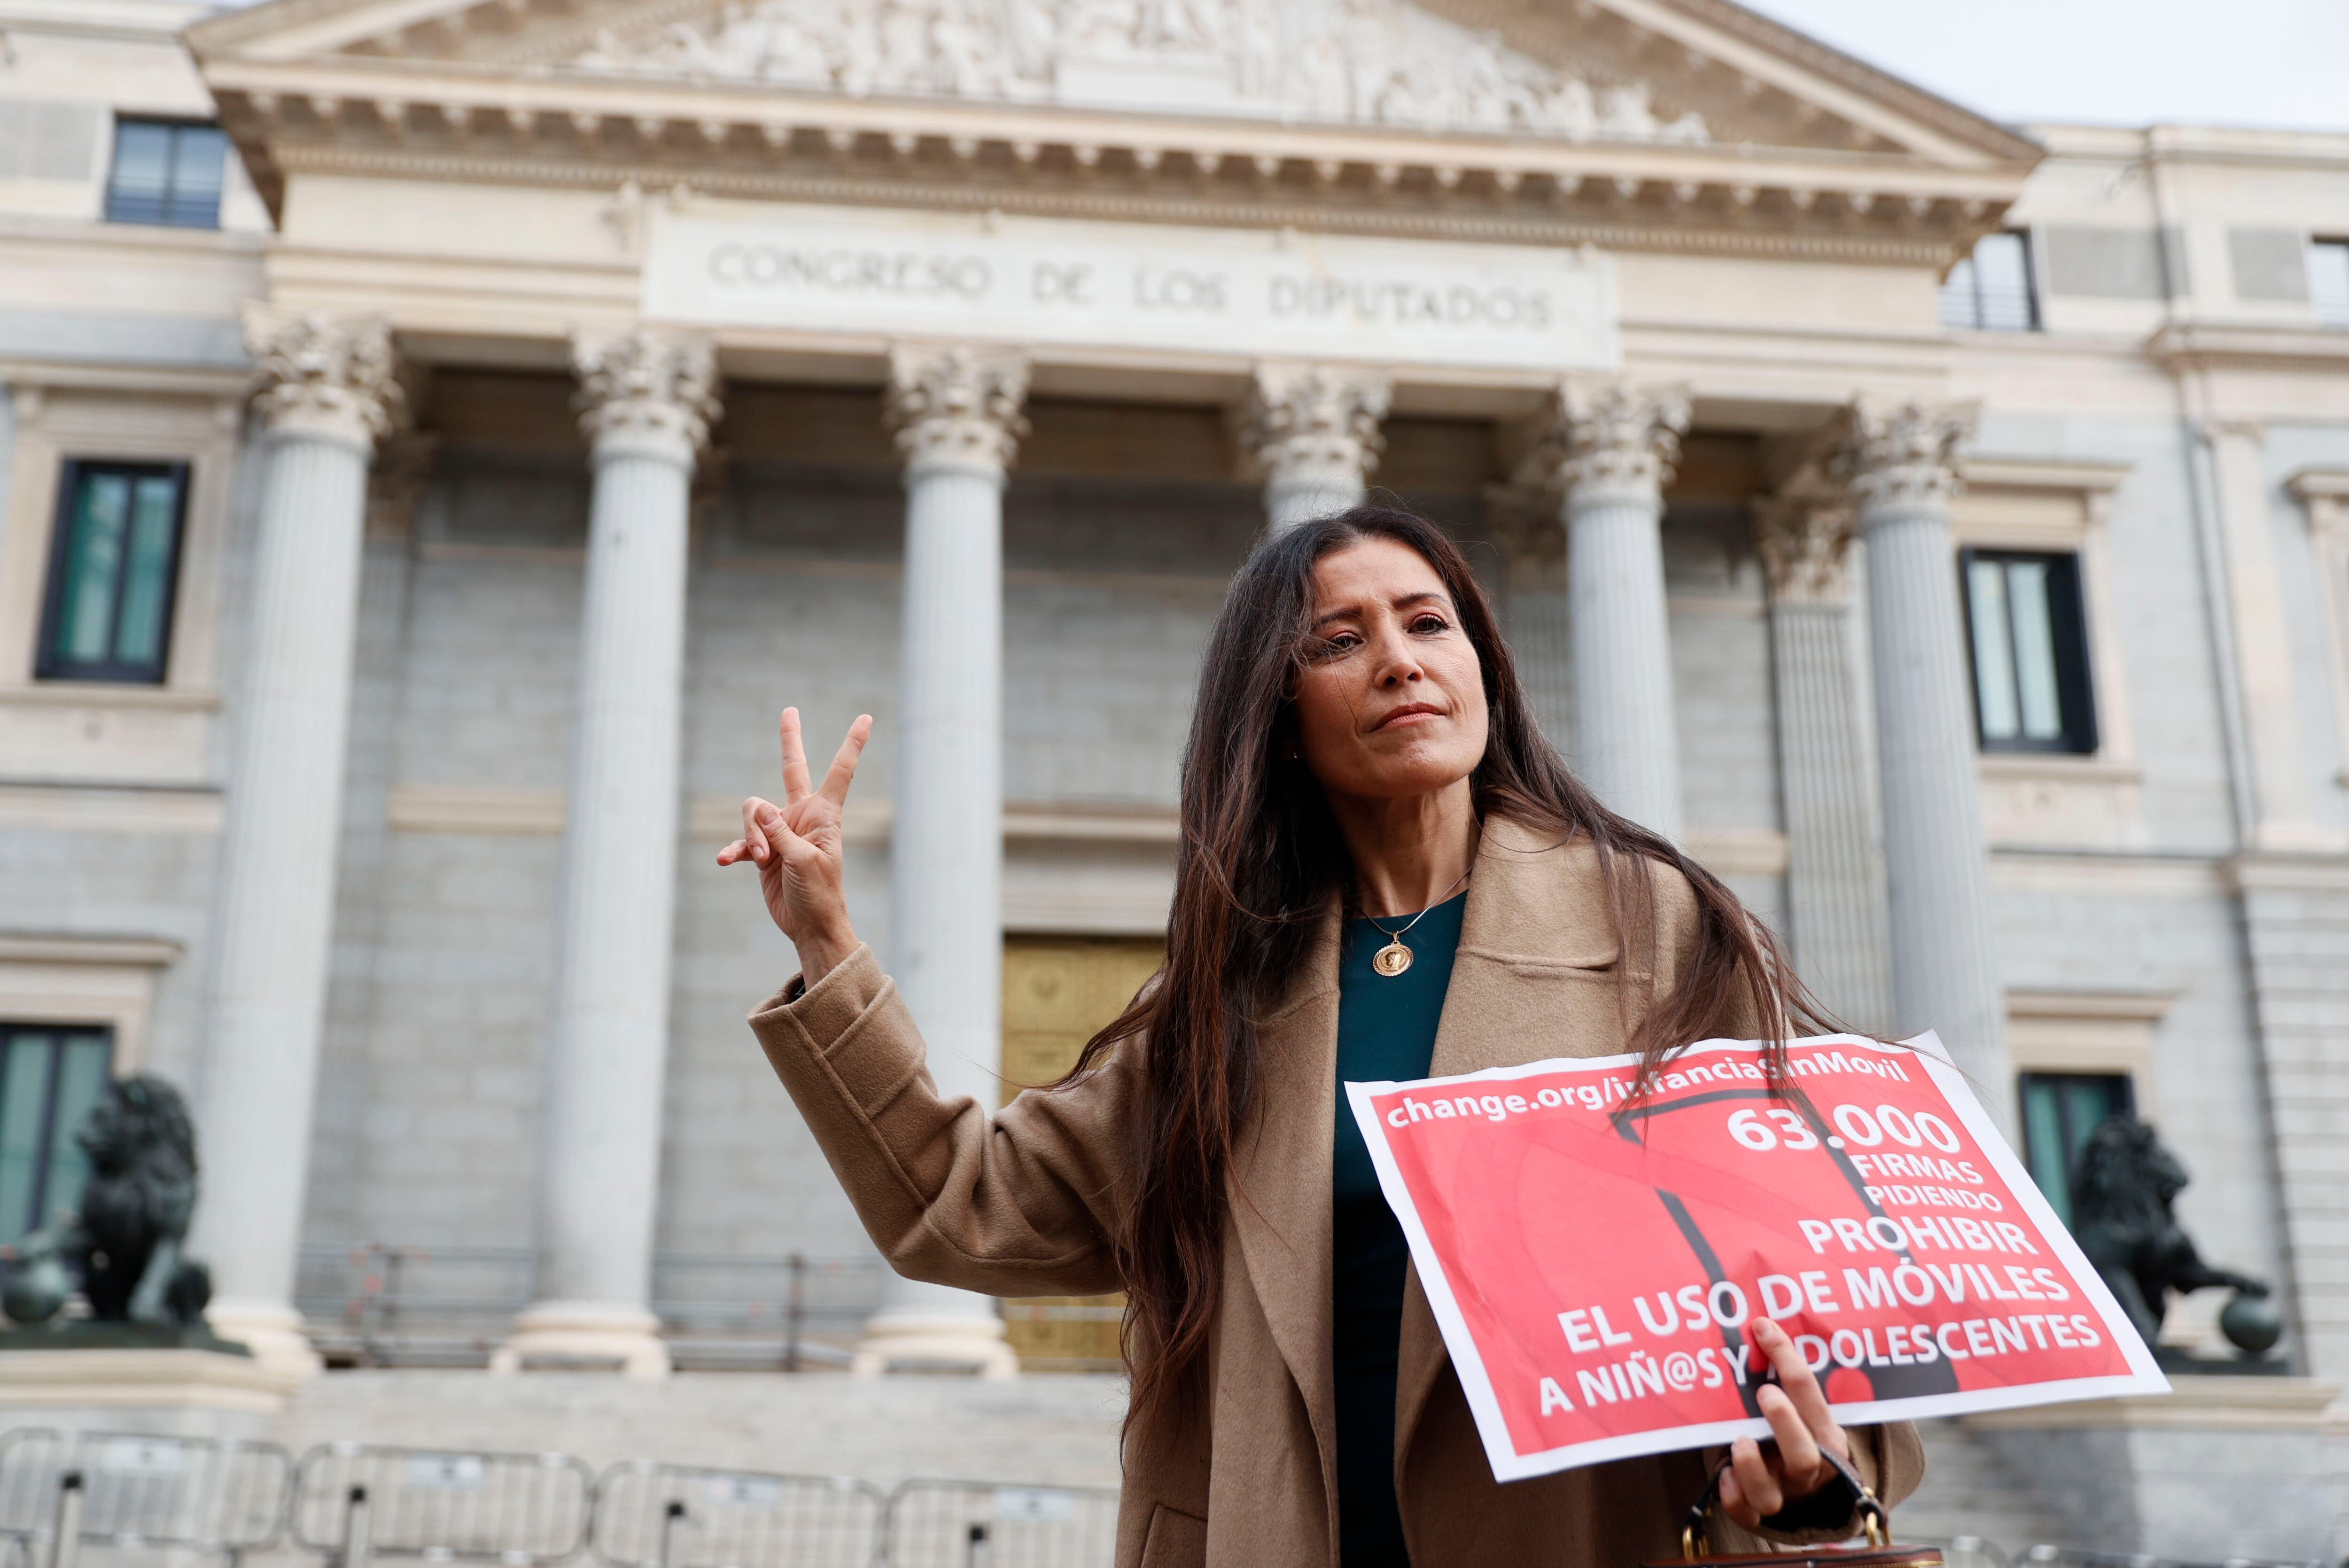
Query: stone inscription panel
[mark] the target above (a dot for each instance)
(1043, 282)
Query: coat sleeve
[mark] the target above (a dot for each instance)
(1024, 1201)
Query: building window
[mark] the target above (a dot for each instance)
(111, 571)
(1989, 291)
(2030, 646)
(50, 1077)
(2059, 1111)
(166, 171)
(2328, 281)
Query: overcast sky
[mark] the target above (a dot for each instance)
(2104, 62)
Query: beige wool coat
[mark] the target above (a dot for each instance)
(1024, 1201)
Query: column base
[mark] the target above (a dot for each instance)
(919, 1341)
(272, 1330)
(584, 1336)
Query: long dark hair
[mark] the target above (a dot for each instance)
(1260, 860)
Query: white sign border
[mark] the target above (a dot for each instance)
(2145, 1375)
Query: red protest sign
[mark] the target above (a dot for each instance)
(1595, 1267)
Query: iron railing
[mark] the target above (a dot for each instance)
(372, 1304)
(727, 1311)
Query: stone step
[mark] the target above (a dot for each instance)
(1969, 1491)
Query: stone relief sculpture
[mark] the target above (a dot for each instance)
(2127, 1181)
(1379, 61)
(123, 1246)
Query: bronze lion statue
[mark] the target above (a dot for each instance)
(2123, 1187)
(124, 1245)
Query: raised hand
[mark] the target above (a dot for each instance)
(1759, 1481)
(797, 848)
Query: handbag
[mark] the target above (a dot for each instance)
(1878, 1553)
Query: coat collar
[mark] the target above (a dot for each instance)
(1535, 912)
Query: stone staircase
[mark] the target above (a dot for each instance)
(1969, 1491)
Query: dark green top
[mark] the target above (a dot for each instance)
(1386, 1029)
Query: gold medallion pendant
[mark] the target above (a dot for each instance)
(1393, 959)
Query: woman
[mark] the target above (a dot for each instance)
(1362, 777)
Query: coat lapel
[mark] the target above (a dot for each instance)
(1533, 978)
(1279, 1186)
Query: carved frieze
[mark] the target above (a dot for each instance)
(1380, 62)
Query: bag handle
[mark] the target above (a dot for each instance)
(1873, 1517)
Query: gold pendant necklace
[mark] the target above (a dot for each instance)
(1395, 958)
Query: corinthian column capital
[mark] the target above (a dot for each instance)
(1899, 454)
(329, 377)
(646, 390)
(1617, 436)
(954, 405)
(1321, 420)
(1804, 539)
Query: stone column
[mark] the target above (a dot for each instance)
(647, 403)
(956, 415)
(1619, 443)
(1312, 430)
(1835, 872)
(327, 394)
(1522, 521)
(1899, 464)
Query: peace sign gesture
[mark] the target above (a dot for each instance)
(797, 849)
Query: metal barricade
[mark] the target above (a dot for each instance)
(978, 1524)
(357, 1500)
(682, 1516)
(1972, 1552)
(2084, 1557)
(219, 1496)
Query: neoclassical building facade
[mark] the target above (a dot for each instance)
(1942, 531)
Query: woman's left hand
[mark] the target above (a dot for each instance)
(1757, 1483)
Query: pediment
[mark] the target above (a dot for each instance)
(1363, 62)
(1625, 122)
(1671, 72)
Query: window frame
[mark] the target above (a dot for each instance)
(44, 1163)
(2033, 318)
(2068, 632)
(2336, 317)
(177, 126)
(2128, 1102)
(47, 665)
